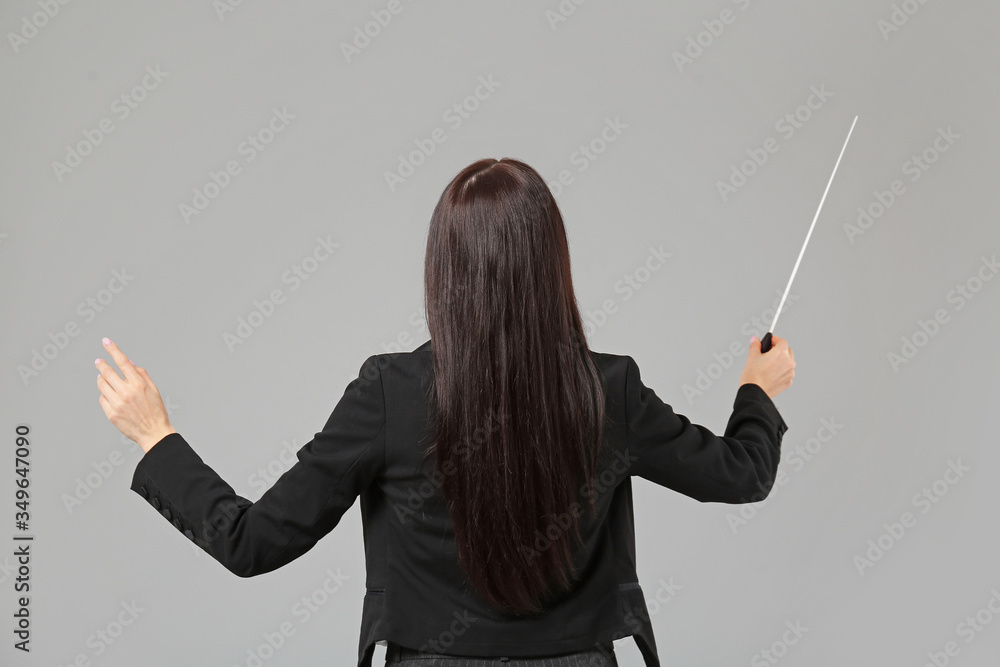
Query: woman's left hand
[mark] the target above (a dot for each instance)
(132, 404)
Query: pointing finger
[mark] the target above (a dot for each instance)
(128, 370)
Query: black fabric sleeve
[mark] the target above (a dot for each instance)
(666, 448)
(304, 504)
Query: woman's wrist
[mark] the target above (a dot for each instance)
(150, 441)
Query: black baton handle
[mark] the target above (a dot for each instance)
(765, 342)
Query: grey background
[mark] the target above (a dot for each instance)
(734, 586)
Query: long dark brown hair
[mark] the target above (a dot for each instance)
(516, 398)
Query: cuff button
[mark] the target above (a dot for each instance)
(155, 502)
(188, 534)
(166, 512)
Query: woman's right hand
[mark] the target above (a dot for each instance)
(772, 370)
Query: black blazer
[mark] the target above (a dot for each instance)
(417, 595)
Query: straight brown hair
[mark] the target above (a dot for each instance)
(516, 399)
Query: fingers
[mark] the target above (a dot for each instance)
(104, 388)
(108, 398)
(785, 346)
(105, 405)
(145, 377)
(109, 375)
(780, 343)
(128, 370)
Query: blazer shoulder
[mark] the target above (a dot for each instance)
(612, 360)
(388, 362)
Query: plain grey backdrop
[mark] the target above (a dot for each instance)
(168, 169)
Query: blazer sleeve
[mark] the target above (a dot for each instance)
(304, 504)
(666, 448)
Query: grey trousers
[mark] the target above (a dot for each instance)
(602, 655)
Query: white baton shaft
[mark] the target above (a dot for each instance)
(765, 342)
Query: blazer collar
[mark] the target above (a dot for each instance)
(425, 347)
